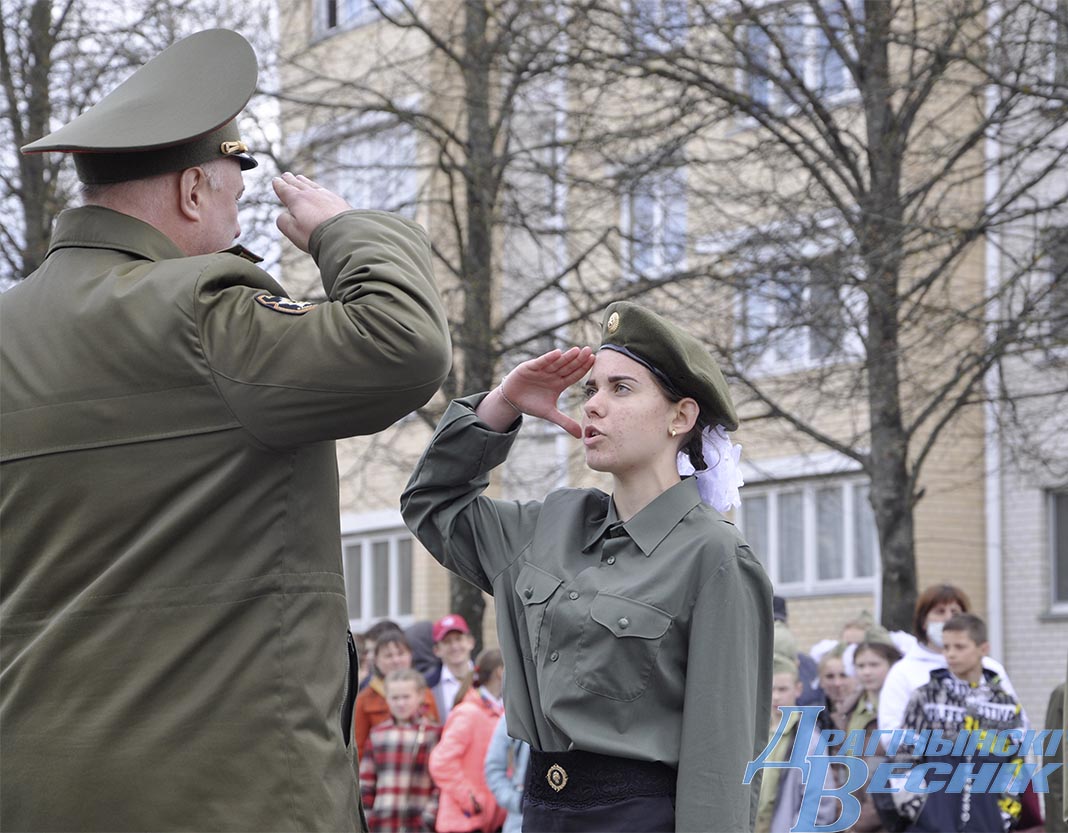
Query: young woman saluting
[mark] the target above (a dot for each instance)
(637, 626)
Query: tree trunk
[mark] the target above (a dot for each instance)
(38, 192)
(475, 334)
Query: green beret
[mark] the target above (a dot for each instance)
(676, 358)
(175, 112)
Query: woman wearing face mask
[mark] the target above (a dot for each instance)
(637, 625)
(935, 606)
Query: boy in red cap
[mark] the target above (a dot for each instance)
(453, 645)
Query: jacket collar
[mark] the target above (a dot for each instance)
(95, 227)
(653, 523)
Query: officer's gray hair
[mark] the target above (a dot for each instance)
(95, 193)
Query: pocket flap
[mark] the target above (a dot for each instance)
(534, 586)
(626, 617)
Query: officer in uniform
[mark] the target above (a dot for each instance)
(175, 650)
(636, 627)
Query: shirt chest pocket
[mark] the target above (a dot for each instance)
(534, 587)
(618, 647)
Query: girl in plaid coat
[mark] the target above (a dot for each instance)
(398, 793)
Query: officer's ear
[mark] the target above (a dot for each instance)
(193, 188)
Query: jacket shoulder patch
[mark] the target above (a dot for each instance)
(284, 305)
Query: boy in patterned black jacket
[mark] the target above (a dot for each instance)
(963, 697)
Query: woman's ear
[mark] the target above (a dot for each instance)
(685, 418)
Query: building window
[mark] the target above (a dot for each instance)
(814, 536)
(345, 14)
(1056, 266)
(1060, 49)
(654, 224)
(1058, 514)
(374, 167)
(378, 577)
(791, 48)
(659, 24)
(794, 315)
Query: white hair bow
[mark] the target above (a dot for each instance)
(718, 484)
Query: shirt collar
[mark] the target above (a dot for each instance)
(96, 227)
(653, 523)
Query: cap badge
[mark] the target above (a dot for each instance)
(286, 305)
(557, 777)
(613, 322)
(230, 148)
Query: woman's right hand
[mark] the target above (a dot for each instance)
(534, 387)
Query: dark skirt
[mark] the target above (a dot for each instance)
(583, 792)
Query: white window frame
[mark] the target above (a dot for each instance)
(1059, 69)
(812, 36)
(1054, 268)
(354, 178)
(359, 534)
(659, 25)
(850, 300)
(356, 13)
(810, 583)
(667, 188)
(1057, 549)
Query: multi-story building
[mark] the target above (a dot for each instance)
(363, 94)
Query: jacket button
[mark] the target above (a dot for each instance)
(610, 560)
(528, 592)
(572, 595)
(554, 656)
(624, 623)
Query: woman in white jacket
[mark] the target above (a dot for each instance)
(935, 606)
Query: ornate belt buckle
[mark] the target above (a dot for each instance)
(557, 777)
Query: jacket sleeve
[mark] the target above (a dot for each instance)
(361, 723)
(469, 534)
(893, 698)
(727, 697)
(497, 778)
(376, 350)
(446, 760)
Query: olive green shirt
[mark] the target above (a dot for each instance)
(174, 648)
(650, 639)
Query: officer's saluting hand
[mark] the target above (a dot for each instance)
(307, 205)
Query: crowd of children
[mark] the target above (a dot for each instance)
(868, 680)
(423, 729)
(435, 754)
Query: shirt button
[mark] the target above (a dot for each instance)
(624, 623)
(528, 592)
(611, 559)
(572, 595)
(554, 656)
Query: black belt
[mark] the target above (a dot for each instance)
(586, 779)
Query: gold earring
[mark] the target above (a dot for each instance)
(673, 432)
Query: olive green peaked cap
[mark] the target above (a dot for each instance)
(678, 359)
(175, 112)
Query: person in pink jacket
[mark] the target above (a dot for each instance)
(456, 764)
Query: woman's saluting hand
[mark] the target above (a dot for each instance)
(534, 387)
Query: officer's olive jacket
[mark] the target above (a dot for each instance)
(650, 639)
(173, 627)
